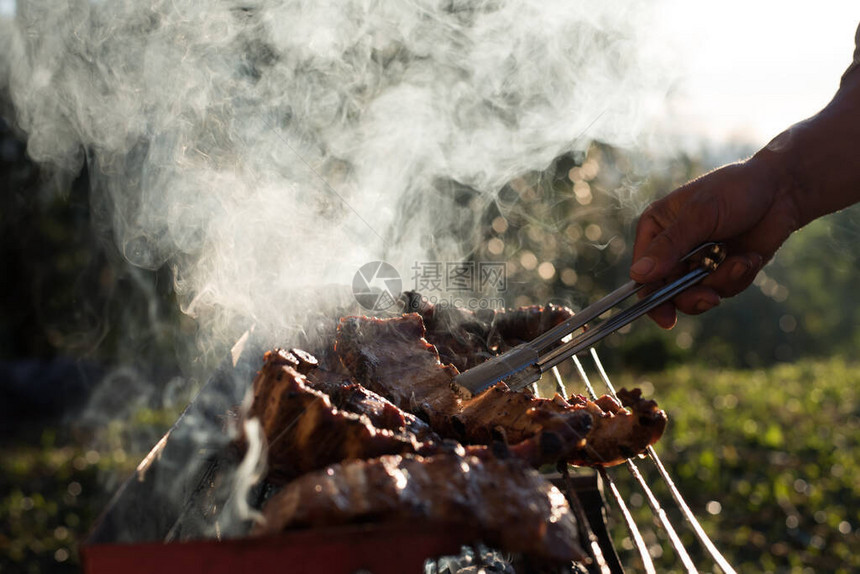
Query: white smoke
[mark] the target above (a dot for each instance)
(265, 149)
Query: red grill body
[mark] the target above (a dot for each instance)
(383, 549)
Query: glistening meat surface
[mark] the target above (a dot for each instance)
(346, 394)
(501, 502)
(382, 414)
(465, 338)
(391, 357)
(304, 431)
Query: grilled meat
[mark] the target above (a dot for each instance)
(466, 338)
(392, 358)
(620, 431)
(305, 432)
(381, 407)
(501, 502)
(346, 394)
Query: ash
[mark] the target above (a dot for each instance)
(480, 560)
(483, 560)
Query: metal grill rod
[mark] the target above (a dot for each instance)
(658, 511)
(676, 494)
(691, 518)
(581, 517)
(559, 384)
(632, 528)
(573, 498)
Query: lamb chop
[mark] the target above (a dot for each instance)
(500, 502)
(347, 395)
(391, 357)
(304, 431)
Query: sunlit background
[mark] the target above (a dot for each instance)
(751, 69)
(762, 392)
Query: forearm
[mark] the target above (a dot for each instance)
(818, 160)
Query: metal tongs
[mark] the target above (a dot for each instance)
(525, 363)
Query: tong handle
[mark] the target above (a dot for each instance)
(619, 320)
(707, 257)
(525, 363)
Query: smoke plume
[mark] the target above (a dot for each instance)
(267, 149)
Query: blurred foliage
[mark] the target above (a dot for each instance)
(766, 459)
(66, 290)
(565, 235)
(52, 490)
(73, 313)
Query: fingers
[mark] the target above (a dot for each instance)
(738, 204)
(735, 274)
(663, 236)
(664, 315)
(695, 300)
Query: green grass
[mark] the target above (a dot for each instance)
(769, 461)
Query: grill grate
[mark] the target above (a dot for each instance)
(656, 508)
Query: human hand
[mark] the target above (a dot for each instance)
(806, 172)
(748, 206)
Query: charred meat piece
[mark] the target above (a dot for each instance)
(620, 431)
(305, 432)
(500, 502)
(347, 395)
(299, 360)
(465, 338)
(391, 357)
(462, 338)
(579, 431)
(516, 326)
(519, 416)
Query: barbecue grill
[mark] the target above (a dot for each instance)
(179, 512)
